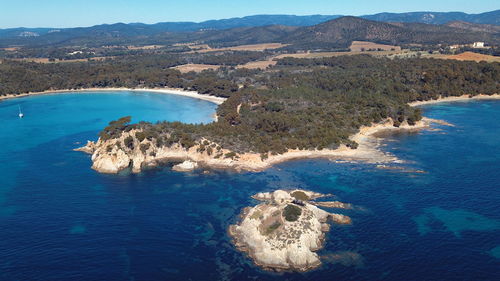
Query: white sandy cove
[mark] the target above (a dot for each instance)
(170, 91)
(368, 146)
(219, 100)
(459, 98)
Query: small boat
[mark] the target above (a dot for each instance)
(21, 115)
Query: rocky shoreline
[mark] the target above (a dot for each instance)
(111, 156)
(284, 232)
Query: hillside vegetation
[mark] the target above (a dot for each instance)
(319, 103)
(341, 32)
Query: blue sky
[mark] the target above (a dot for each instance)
(72, 13)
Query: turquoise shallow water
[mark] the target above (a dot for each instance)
(59, 116)
(60, 220)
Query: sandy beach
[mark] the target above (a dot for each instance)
(169, 91)
(456, 99)
(368, 145)
(219, 100)
(368, 149)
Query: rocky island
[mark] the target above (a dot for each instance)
(284, 232)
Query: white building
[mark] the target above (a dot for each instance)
(478, 45)
(75, 53)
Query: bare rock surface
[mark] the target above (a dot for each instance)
(185, 166)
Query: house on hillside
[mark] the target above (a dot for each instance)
(75, 53)
(478, 45)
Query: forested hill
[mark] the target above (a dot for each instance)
(319, 103)
(341, 32)
(490, 28)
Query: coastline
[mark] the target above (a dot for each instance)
(169, 91)
(456, 99)
(368, 149)
(368, 145)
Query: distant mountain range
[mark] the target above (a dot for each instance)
(492, 18)
(418, 27)
(340, 32)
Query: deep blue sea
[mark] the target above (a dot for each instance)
(435, 217)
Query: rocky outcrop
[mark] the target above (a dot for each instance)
(114, 155)
(334, 204)
(284, 232)
(89, 148)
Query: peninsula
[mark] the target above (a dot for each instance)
(284, 232)
(134, 150)
(300, 108)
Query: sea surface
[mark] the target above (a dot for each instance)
(434, 217)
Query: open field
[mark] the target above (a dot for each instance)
(466, 56)
(11, 49)
(360, 46)
(192, 46)
(254, 47)
(473, 57)
(335, 54)
(185, 68)
(46, 60)
(149, 47)
(261, 64)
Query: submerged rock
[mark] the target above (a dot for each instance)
(284, 232)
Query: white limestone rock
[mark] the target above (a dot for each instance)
(275, 243)
(185, 166)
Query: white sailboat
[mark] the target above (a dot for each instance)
(21, 115)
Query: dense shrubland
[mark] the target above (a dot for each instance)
(130, 72)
